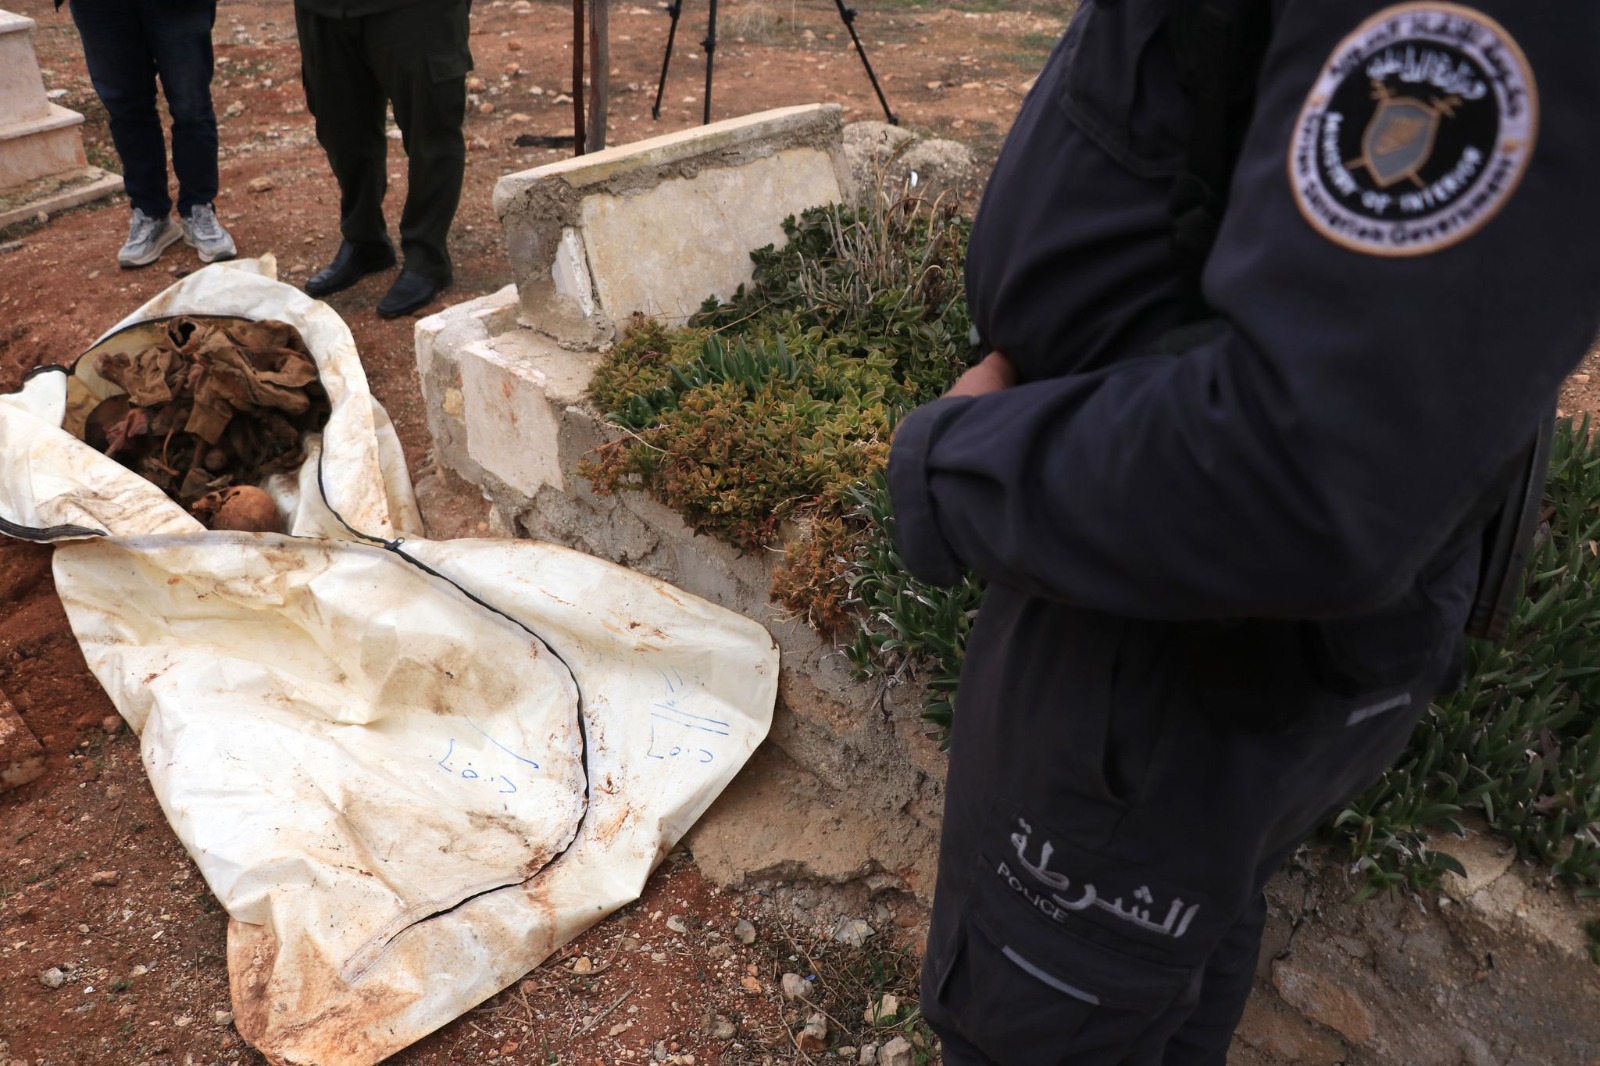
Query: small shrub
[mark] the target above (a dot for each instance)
(763, 418)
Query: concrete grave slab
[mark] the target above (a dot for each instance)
(655, 227)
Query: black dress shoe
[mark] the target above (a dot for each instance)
(409, 292)
(352, 263)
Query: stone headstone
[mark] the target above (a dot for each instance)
(37, 138)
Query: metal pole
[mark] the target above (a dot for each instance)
(674, 9)
(577, 77)
(599, 74)
(848, 14)
(710, 45)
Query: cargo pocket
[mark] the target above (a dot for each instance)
(1121, 85)
(448, 66)
(1027, 989)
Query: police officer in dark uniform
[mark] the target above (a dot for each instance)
(356, 56)
(1229, 553)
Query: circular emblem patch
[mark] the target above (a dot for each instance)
(1417, 132)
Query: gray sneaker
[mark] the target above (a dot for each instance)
(203, 233)
(147, 239)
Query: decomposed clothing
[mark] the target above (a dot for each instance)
(1228, 563)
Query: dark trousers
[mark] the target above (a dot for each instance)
(1111, 819)
(129, 44)
(415, 57)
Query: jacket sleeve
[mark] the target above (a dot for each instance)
(1317, 451)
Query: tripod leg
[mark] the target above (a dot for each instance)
(710, 44)
(674, 9)
(848, 16)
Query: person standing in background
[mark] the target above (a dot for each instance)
(356, 56)
(128, 45)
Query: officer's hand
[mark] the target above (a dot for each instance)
(993, 373)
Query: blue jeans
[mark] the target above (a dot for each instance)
(128, 45)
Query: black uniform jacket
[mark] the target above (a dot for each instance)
(1408, 266)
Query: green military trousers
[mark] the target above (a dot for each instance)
(415, 56)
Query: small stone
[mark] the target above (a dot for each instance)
(111, 724)
(138, 971)
(583, 965)
(744, 932)
(476, 84)
(884, 1011)
(853, 931)
(222, 1017)
(719, 951)
(795, 986)
(897, 1052)
(869, 1055)
(660, 1051)
(233, 110)
(513, 46)
(936, 85)
(722, 1028)
(658, 956)
(814, 1034)
(53, 978)
(1323, 1001)
(486, 108)
(750, 983)
(41, 217)
(1581, 379)
(105, 878)
(261, 184)
(393, 135)
(93, 274)
(675, 923)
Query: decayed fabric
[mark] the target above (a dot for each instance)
(209, 404)
(409, 770)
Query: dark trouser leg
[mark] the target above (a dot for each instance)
(345, 98)
(179, 36)
(1203, 1037)
(421, 56)
(123, 73)
(1111, 817)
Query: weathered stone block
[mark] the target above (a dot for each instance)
(655, 227)
(37, 138)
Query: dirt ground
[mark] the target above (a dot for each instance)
(93, 883)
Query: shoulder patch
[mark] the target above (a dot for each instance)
(1417, 132)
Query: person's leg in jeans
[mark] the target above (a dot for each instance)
(178, 35)
(123, 73)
